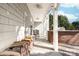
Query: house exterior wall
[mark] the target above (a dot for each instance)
(11, 23)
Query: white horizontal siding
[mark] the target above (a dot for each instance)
(11, 17)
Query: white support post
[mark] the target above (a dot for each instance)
(55, 30)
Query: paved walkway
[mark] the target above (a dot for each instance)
(43, 48)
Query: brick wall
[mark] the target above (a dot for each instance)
(69, 37)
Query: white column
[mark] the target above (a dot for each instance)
(55, 30)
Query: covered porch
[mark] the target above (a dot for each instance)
(21, 20)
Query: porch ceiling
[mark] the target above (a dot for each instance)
(38, 10)
(36, 23)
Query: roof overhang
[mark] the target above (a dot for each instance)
(40, 10)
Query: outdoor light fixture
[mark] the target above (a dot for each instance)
(54, 5)
(38, 6)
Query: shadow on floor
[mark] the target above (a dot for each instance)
(43, 47)
(70, 46)
(53, 54)
(42, 40)
(61, 52)
(47, 54)
(50, 53)
(64, 54)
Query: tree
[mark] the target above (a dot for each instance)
(71, 27)
(62, 21)
(50, 22)
(76, 25)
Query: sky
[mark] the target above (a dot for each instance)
(71, 11)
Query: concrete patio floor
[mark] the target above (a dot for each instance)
(43, 48)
